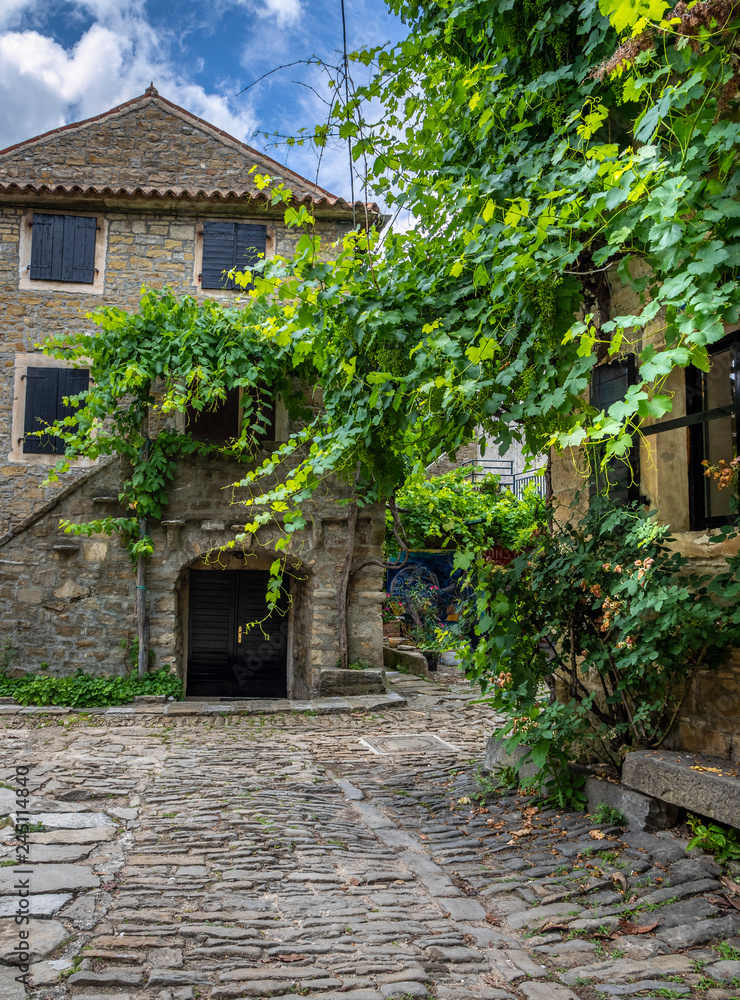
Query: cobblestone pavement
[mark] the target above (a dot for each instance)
(342, 857)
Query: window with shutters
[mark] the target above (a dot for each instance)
(46, 389)
(713, 419)
(229, 245)
(61, 252)
(63, 248)
(620, 477)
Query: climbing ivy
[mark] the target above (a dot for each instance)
(544, 151)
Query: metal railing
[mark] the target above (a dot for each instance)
(517, 482)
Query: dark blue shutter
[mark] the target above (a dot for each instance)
(42, 242)
(227, 245)
(250, 245)
(42, 393)
(45, 389)
(81, 267)
(218, 254)
(72, 381)
(63, 248)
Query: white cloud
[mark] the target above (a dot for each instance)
(11, 11)
(286, 12)
(43, 84)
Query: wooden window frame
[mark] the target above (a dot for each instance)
(696, 420)
(633, 461)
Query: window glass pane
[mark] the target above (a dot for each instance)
(720, 435)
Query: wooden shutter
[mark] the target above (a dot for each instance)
(42, 243)
(218, 254)
(42, 394)
(63, 248)
(45, 389)
(72, 381)
(250, 245)
(227, 245)
(80, 265)
(219, 424)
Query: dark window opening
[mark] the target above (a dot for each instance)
(63, 248)
(219, 424)
(228, 245)
(715, 395)
(45, 390)
(223, 422)
(620, 477)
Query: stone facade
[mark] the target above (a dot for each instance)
(151, 174)
(709, 721)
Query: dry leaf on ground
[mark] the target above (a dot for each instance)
(627, 927)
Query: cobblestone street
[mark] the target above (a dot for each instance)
(339, 856)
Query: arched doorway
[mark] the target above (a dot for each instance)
(228, 655)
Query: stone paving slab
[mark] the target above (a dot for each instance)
(276, 855)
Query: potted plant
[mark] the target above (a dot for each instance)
(392, 613)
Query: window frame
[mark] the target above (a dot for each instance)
(25, 247)
(699, 520)
(633, 461)
(16, 455)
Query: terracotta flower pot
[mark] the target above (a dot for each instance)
(391, 628)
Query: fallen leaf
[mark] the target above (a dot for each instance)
(354, 881)
(698, 767)
(551, 926)
(629, 928)
(732, 886)
(398, 881)
(492, 920)
(293, 958)
(524, 832)
(724, 901)
(619, 879)
(597, 834)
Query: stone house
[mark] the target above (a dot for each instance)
(147, 193)
(665, 472)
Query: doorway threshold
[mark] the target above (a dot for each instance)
(214, 706)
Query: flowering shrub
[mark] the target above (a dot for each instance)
(612, 620)
(725, 474)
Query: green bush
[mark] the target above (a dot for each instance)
(721, 841)
(450, 508)
(83, 690)
(604, 605)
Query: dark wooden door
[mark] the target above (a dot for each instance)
(229, 656)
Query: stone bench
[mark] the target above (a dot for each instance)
(706, 785)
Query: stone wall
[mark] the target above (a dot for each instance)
(146, 143)
(155, 248)
(69, 602)
(151, 175)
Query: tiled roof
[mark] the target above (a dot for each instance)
(304, 190)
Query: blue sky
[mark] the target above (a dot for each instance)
(63, 60)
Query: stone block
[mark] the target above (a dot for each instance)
(497, 757)
(414, 663)
(335, 681)
(705, 785)
(643, 812)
